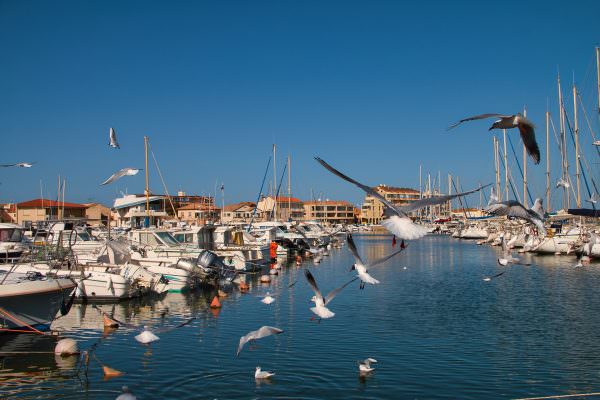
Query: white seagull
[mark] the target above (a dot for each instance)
(398, 221)
(562, 183)
(112, 139)
(260, 333)
(121, 173)
(268, 299)
(19, 164)
(507, 257)
(259, 374)
(126, 395)
(513, 208)
(147, 336)
(364, 366)
(320, 309)
(362, 269)
(526, 129)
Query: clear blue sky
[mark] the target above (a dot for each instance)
(368, 86)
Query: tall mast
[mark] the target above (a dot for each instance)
(548, 160)
(577, 173)
(289, 187)
(598, 74)
(497, 168)
(563, 145)
(274, 184)
(420, 183)
(147, 191)
(449, 193)
(525, 168)
(505, 166)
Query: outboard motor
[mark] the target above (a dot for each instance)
(208, 259)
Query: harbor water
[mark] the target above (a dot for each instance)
(437, 329)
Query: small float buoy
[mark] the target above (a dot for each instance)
(66, 347)
(244, 287)
(265, 278)
(215, 303)
(110, 372)
(298, 260)
(221, 293)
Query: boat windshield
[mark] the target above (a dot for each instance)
(84, 236)
(11, 235)
(167, 238)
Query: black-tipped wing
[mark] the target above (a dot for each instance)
(527, 132)
(7, 165)
(511, 208)
(170, 328)
(369, 190)
(475, 117)
(335, 292)
(121, 323)
(432, 201)
(384, 259)
(353, 250)
(265, 331)
(313, 283)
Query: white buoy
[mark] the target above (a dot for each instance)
(66, 347)
(265, 278)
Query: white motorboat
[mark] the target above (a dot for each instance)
(12, 242)
(31, 300)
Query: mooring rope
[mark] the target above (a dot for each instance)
(560, 396)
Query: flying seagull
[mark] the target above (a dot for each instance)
(268, 299)
(489, 278)
(513, 208)
(148, 336)
(121, 173)
(363, 269)
(398, 221)
(259, 374)
(260, 333)
(20, 164)
(320, 308)
(126, 395)
(364, 366)
(112, 139)
(562, 183)
(507, 257)
(526, 129)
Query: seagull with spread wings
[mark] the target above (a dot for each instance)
(19, 164)
(526, 129)
(363, 269)
(121, 173)
(398, 221)
(260, 333)
(320, 309)
(112, 139)
(512, 208)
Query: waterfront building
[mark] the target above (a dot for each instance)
(329, 211)
(130, 210)
(288, 208)
(97, 214)
(45, 209)
(241, 213)
(372, 209)
(198, 213)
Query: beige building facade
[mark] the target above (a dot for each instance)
(372, 209)
(44, 209)
(329, 211)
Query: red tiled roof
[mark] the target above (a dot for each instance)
(233, 207)
(37, 203)
(392, 189)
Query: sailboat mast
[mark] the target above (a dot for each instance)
(548, 160)
(497, 168)
(505, 167)
(563, 145)
(525, 168)
(289, 187)
(147, 191)
(577, 169)
(274, 184)
(598, 74)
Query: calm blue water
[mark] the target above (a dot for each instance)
(438, 330)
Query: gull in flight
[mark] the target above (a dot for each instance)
(526, 129)
(259, 374)
(112, 139)
(121, 173)
(398, 221)
(260, 333)
(512, 208)
(148, 336)
(20, 164)
(365, 367)
(268, 299)
(562, 183)
(593, 198)
(320, 309)
(489, 278)
(363, 269)
(126, 395)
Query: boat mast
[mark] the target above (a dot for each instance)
(274, 184)
(563, 143)
(449, 193)
(505, 166)
(598, 74)
(577, 169)
(548, 160)
(147, 191)
(525, 167)
(289, 188)
(497, 168)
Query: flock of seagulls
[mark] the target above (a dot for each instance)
(512, 208)
(113, 142)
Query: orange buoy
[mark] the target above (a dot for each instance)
(298, 260)
(273, 250)
(215, 303)
(110, 372)
(244, 287)
(109, 323)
